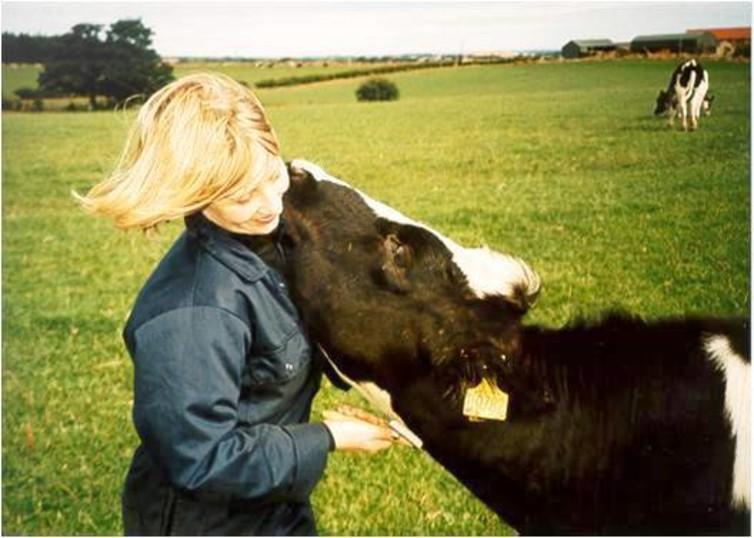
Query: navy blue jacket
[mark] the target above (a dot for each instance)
(223, 385)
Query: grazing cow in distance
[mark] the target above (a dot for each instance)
(618, 426)
(685, 94)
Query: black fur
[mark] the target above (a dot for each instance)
(616, 426)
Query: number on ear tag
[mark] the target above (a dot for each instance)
(485, 401)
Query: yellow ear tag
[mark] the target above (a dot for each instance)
(485, 401)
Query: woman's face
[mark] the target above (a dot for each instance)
(256, 212)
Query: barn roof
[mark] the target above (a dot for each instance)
(667, 37)
(739, 32)
(592, 42)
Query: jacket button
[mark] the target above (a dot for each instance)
(288, 366)
(281, 285)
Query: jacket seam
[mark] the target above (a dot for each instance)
(188, 307)
(296, 464)
(195, 283)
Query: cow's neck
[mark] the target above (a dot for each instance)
(504, 453)
(540, 458)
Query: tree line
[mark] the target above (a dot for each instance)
(28, 49)
(117, 62)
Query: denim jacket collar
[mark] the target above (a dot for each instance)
(226, 246)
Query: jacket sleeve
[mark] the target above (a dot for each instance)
(187, 377)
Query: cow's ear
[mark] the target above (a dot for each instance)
(300, 175)
(303, 186)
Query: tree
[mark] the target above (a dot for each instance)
(133, 68)
(76, 65)
(24, 48)
(117, 65)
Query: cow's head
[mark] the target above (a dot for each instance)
(390, 299)
(707, 104)
(664, 102)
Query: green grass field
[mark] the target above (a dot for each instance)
(561, 164)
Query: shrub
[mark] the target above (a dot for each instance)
(377, 89)
(37, 105)
(26, 93)
(11, 104)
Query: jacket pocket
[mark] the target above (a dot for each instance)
(281, 363)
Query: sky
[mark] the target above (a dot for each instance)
(299, 29)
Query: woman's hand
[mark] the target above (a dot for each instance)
(358, 431)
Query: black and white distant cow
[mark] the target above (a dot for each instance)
(686, 94)
(707, 104)
(619, 426)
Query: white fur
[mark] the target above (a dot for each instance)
(697, 100)
(488, 272)
(381, 401)
(738, 406)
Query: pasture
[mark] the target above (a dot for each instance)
(561, 164)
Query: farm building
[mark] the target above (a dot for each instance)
(692, 43)
(729, 40)
(586, 47)
(735, 36)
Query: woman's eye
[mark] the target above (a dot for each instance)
(243, 199)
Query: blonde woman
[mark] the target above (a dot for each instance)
(223, 373)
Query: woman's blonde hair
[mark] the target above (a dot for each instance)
(200, 138)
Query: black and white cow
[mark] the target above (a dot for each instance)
(686, 94)
(707, 104)
(618, 426)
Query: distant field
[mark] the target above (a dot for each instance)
(19, 76)
(25, 76)
(250, 74)
(560, 164)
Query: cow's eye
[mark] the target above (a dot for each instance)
(400, 256)
(399, 252)
(393, 273)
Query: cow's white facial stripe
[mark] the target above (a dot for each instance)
(738, 405)
(488, 272)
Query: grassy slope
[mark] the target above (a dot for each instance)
(560, 164)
